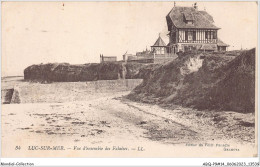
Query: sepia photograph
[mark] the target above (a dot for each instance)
(172, 79)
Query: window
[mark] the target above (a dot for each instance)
(214, 35)
(210, 35)
(190, 35)
(194, 35)
(189, 22)
(174, 36)
(162, 50)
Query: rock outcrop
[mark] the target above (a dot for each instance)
(64, 72)
(6, 96)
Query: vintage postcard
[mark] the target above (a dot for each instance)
(129, 79)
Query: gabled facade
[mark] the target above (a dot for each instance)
(190, 29)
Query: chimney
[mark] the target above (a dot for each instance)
(195, 6)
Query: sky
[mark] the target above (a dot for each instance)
(78, 32)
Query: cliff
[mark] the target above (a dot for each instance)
(202, 81)
(64, 72)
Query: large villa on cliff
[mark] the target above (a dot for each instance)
(191, 29)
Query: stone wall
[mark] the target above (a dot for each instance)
(60, 92)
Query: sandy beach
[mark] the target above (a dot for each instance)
(129, 129)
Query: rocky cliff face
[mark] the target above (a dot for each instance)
(203, 81)
(88, 72)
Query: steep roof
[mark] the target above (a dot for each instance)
(221, 43)
(159, 43)
(179, 15)
(188, 16)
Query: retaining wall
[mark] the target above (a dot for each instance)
(69, 91)
(113, 85)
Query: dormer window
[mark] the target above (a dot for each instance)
(188, 18)
(189, 22)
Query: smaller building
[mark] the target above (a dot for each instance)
(107, 58)
(159, 47)
(222, 46)
(127, 57)
(158, 54)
